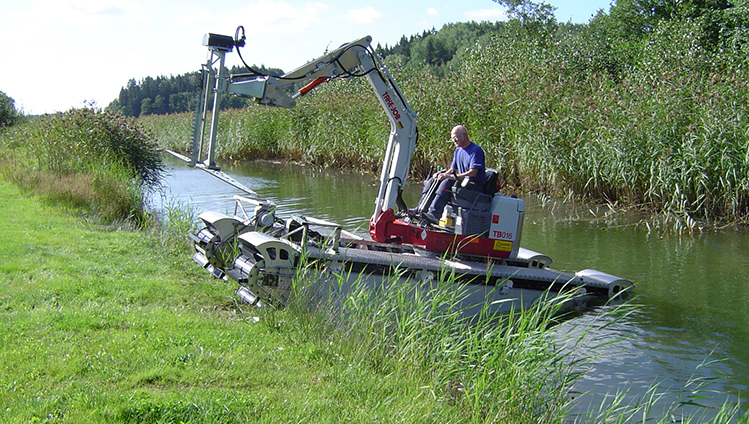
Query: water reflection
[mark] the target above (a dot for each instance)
(692, 321)
(633, 355)
(693, 296)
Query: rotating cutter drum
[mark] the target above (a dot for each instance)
(215, 242)
(264, 269)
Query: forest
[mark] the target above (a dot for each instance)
(174, 94)
(162, 95)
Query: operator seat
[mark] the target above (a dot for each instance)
(491, 186)
(471, 195)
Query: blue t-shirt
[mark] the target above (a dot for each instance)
(470, 157)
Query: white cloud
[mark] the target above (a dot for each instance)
(367, 15)
(433, 12)
(105, 7)
(486, 15)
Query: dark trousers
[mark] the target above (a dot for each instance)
(441, 196)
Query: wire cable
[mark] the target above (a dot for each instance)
(239, 42)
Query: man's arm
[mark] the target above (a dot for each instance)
(439, 176)
(470, 173)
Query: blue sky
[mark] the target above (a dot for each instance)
(59, 54)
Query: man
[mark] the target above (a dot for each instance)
(468, 162)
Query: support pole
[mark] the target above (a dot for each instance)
(220, 87)
(214, 81)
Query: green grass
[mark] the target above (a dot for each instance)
(95, 323)
(103, 324)
(107, 324)
(98, 326)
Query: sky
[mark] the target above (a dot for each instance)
(63, 54)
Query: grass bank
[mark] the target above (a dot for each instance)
(92, 160)
(105, 324)
(101, 324)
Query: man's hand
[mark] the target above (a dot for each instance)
(439, 176)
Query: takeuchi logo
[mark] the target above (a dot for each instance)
(391, 105)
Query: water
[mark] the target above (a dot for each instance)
(691, 319)
(345, 199)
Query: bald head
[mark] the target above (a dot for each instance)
(459, 135)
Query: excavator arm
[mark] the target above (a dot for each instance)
(264, 263)
(354, 59)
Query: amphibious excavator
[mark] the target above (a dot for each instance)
(477, 238)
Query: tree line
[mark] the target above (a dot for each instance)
(8, 113)
(432, 49)
(174, 94)
(612, 41)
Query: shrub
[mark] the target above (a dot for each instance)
(79, 138)
(86, 158)
(8, 114)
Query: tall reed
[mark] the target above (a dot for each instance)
(669, 135)
(85, 158)
(479, 369)
(461, 367)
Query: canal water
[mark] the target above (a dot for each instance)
(689, 325)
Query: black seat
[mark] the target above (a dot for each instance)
(472, 195)
(490, 187)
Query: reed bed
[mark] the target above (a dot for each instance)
(668, 136)
(423, 352)
(91, 160)
(459, 368)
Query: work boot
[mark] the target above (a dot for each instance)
(429, 216)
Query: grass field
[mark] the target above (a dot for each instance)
(101, 325)
(105, 324)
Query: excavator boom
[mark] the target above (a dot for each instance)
(262, 253)
(354, 59)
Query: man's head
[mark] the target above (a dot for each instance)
(459, 136)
